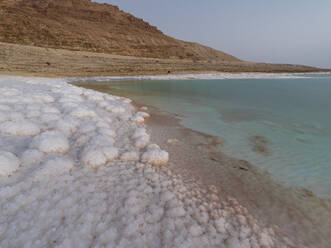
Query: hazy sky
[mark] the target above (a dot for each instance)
(284, 31)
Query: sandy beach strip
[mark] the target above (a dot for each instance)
(79, 168)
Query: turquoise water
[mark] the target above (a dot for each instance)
(293, 116)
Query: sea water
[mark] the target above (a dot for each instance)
(281, 125)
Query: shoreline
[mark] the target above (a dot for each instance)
(38, 61)
(257, 144)
(209, 204)
(195, 157)
(199, 75)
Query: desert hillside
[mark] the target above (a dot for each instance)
(81, 37)
(82, 25)
(38, 61)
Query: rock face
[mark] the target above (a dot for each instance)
(87, 26)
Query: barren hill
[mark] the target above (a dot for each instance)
(83, 25)
(81, 37)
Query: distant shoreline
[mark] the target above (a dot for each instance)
(49, 62)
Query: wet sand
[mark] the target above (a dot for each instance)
(295, 214)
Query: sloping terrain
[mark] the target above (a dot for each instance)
(83, 25)
(38, 61)
(84, 38)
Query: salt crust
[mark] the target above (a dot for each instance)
(155, 156)
(19, 127)
(8, 163)
(87, 178)
(51, 142)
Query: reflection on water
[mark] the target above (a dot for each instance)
(283, 125)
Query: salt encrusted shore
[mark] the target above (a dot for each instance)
(198, 76)
(77, 169)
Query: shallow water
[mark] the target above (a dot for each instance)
(282, 125)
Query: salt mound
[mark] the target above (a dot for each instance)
(4, 116)
(51, 142)
(19, 128)
(87, 128)
(50, 110)
(9, 163)
(95, 96)
(196, 230)
(155, 156)
(53, 167)
(107, 131)
(6, 91)
(93, 158)
(110, 153)
(82, 112)
(103, 124)
(45, 98)
(48, 118)
(139, 117)
(116, 109)
(96, 157)
(142, 141)
(131, 156)
(67, 126)
(31, 156)
(139, 132)
(70, 98)
(102, 140)
(32, 114)
(141, 138)
(4, 108)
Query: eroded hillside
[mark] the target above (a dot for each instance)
(83, 25)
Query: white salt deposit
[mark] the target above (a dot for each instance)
(31, 156)
(142, 141)
(19, 127)
(139, 117)
(51, 142)
(155, 156)
(111, 153)
(8, 163)
(3, 116)
(81, 112)
(130, 156)
(77, 170)
(94, 158)
(53, 167)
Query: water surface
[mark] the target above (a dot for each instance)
(282, 125)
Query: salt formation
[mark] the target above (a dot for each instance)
(139, 117)
(155, 156)
(51, 142)
(19, 127)
(8, 163)
(77, 170)
(130, 156)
